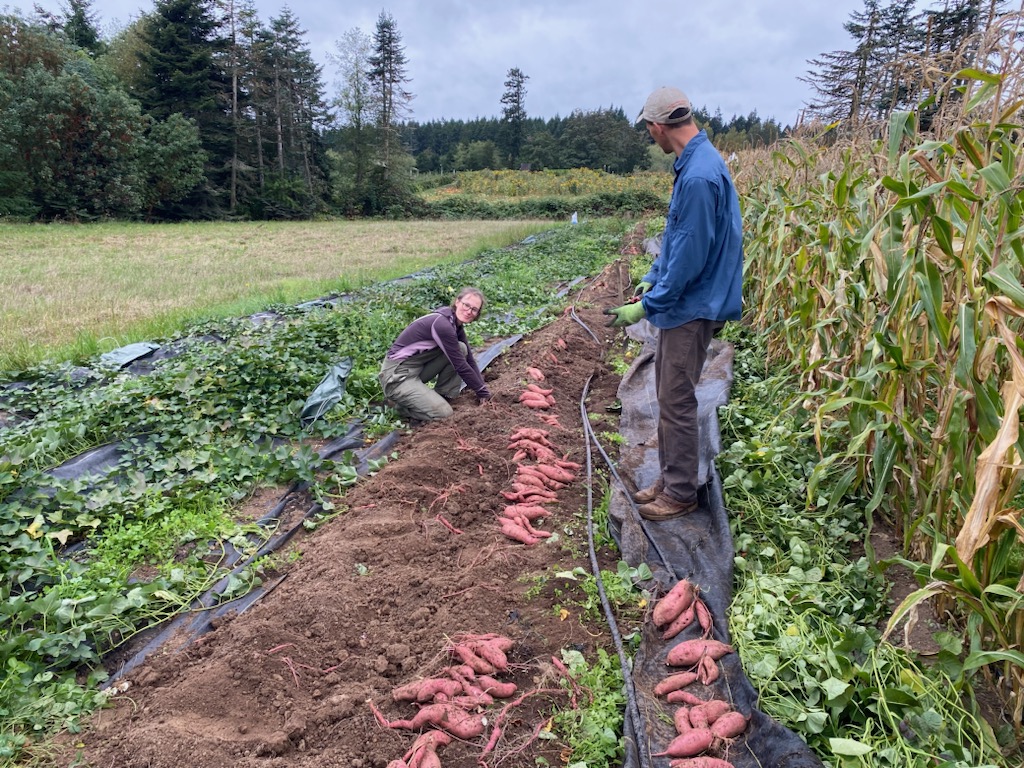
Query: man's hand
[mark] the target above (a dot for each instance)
(627, 314)
(642, 288)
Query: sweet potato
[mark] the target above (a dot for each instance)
(538, 390)
(680, 622)
(529, 511)
(681, 718)
(492, 654)
(533, 400)
(535, 373)
(704, 617)
(448, 717)
(496, 688)
(685, 697)
(697, 718)
(707, 670)
(472, 659)
(516, 532)
(674, 683)
(703, 761)
(565, 464)
(688, 744)
(531, 433)
(675, 601)
(423, 753)
(555, 473)
(525, 478)
(426, 690)
(537, 405)
(689, 652)
(712, 710)
(729, 726)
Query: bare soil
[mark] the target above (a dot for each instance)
(380, 591)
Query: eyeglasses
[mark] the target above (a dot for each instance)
(468, 307)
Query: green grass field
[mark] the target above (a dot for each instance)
(68, 291)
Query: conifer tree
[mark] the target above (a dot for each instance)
(513, 114)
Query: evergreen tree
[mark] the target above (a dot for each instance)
(179, 73)
(844, 80)
(80, 26)
(513, 114)
(357, 107)
(387, 74)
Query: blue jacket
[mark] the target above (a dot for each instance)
(699, 273)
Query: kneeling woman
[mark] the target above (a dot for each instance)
(434, 348)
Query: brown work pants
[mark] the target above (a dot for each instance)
(677, 365)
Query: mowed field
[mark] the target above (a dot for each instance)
(69, 290)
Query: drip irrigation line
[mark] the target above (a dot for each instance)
(627, 675)
(615, 474)
(584, 326)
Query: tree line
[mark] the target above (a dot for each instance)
(199, 109)
(902, 58)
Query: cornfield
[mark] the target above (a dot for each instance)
(889, 271)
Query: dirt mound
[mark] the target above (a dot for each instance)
(380, 590)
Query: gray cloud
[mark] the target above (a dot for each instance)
(742, 57)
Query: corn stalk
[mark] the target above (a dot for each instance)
(889, 272)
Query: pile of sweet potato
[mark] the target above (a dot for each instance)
(453, 701)
(534, 485)
(702, 726)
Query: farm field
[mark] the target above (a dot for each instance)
(384, 573)
(70, 290)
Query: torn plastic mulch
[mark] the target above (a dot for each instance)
(698, 547)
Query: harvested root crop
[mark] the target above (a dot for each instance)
(689, 652)
(447, 717)
(674, 602)
(688, 744)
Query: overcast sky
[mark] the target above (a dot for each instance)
(737, 56)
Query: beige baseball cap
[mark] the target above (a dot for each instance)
(667, 106)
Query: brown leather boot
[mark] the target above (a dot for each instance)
(664, 507)
(647, 495)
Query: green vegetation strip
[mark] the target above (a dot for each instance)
(196, 436)
(76, 291)
(805, 614)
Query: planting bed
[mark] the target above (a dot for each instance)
(381, 590)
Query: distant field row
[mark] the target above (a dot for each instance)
(70, 290)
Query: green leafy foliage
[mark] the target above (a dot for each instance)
(89, 561)
(592, 730)
(805, 615)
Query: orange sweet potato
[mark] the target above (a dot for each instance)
(675, 601)
(712, 710)
(703, 761)
(688, 744)
(426, 690)
(704, 617)
(729, 725)
(516, 532)
(685, 697)
(680, 622)
(674, 683)
(681, 718)
(707, 670)
(496, 688)
(448, 717)
(535, 373)
(689, 652)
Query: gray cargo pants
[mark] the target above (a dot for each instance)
(677, 365)
(405, 383)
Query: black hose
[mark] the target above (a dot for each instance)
(627, 675)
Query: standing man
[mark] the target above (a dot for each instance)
(433, 348)
(694, 286)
